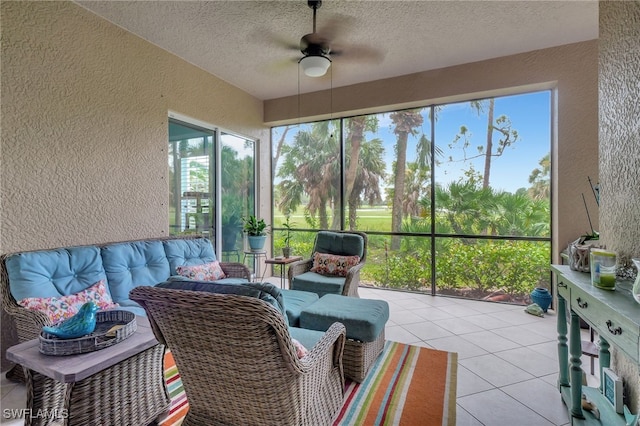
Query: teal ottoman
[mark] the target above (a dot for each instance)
(364, 320)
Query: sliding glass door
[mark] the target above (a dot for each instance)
(212, 185)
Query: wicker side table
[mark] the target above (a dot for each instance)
(120, 385)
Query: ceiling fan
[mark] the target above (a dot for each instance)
(318, 46)
(315, 48)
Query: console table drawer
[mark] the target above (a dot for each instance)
(615, 328)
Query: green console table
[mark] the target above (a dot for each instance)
(615, 316)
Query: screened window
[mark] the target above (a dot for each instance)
(455, 198)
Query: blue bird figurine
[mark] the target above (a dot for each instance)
(82, 323)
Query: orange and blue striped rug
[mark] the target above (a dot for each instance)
(408, 385)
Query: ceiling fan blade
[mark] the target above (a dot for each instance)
(335, 26)
(360, 53)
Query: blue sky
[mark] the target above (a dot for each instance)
(530, 115)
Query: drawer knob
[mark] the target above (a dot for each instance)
(582, 304)
(562, 285)
(616, 330)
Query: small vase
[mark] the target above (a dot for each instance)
(541, 297)
(636, 285)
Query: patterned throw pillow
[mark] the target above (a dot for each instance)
(204, 272)
(333, 264)
(301, 351)
(59, 308)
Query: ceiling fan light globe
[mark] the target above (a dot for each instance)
(315, 66)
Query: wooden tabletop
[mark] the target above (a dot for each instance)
(281, 260)
(73, 368)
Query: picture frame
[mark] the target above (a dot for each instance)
(612, 389)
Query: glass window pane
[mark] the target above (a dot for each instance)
(494, 175)
(237, 179)
(306, 175)
(191, 179)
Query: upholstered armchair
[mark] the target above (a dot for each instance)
(238, 362)
(331, 269)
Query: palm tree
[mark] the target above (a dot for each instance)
(370, 173)
(406, 123)
(365, 165)
(310, 167)
(539, 179)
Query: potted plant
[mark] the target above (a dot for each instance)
(256, 230)
(286, 249)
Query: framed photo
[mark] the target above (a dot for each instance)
(612, 389)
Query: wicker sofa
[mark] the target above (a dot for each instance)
(123, 266)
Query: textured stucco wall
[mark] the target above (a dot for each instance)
(619, 91)
(572, 70)
(84, 127)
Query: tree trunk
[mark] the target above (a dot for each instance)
(488, 151)
(356, 136)
(278, 151)
(398, 189)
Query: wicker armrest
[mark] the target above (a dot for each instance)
(352, 281)
(236, 270)
(299, 267)
(28, 323)
(335, 336)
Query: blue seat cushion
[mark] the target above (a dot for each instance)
(188, 252)
(364, 319)
(308, 338)
(53, 273)
(294, 302)
(318, 283)
(133, 264)
(263, 291)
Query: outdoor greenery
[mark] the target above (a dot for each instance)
(488, 242)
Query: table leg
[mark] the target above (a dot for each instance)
(576, 371)
(281, 276)
(563, 349)
(604, 357)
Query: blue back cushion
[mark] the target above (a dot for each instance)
(57, 272)
(129, 265)
(339, 243)
(188, 252)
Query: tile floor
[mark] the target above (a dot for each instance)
(507, 359)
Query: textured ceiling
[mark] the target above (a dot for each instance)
(250, 44)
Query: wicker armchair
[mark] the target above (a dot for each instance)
(333, 242)
(238, 363)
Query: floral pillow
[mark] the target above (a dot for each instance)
(301, 351)
(211, 271)
(333, 264)
(59, 308)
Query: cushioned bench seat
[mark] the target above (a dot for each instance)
(364, 320)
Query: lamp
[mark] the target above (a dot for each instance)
(315, 65)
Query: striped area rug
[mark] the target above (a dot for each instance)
(179, 404)
(408, 385)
